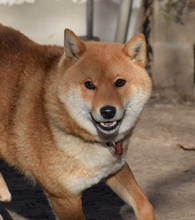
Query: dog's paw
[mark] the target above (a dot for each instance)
(5, 195)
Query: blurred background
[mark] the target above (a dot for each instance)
(169, 27)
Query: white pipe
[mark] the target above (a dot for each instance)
(123, 20)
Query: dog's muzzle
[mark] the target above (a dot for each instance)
(106, 122)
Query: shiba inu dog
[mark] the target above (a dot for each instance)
(67, 113)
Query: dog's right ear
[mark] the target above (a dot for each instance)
(74, 47)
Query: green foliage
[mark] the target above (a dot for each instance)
(172, 10)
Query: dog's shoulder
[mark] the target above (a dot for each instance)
(20, 50)
(13, 41)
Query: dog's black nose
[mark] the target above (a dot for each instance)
(108, 111)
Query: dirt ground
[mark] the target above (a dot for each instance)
(162, 157)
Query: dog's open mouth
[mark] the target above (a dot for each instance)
(109, 125)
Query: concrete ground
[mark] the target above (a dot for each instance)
(165, 170)
(162, 157)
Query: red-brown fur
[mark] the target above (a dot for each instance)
(41, 89)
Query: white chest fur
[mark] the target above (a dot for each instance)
(85, 164)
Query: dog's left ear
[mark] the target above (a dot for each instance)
(136, 50)
(74, 47)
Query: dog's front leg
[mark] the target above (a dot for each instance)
(124, 184)
(66, 207)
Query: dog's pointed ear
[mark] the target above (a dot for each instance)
(136, 50)
(74, 47)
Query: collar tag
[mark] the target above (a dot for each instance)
(115, 147)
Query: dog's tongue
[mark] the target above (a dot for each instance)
(119, 148)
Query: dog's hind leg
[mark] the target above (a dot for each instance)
(124, 184)
(66, 207)
(5, 195)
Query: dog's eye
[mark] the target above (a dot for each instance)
(89, 85)
(120, 82)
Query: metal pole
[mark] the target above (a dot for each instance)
(89, 13)
(89, 19)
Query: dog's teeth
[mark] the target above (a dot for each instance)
(108, 124)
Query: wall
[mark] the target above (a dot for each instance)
(45, 21)
(173, 55)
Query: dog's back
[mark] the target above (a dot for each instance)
(23, 69)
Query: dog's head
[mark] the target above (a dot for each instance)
(103, 86)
